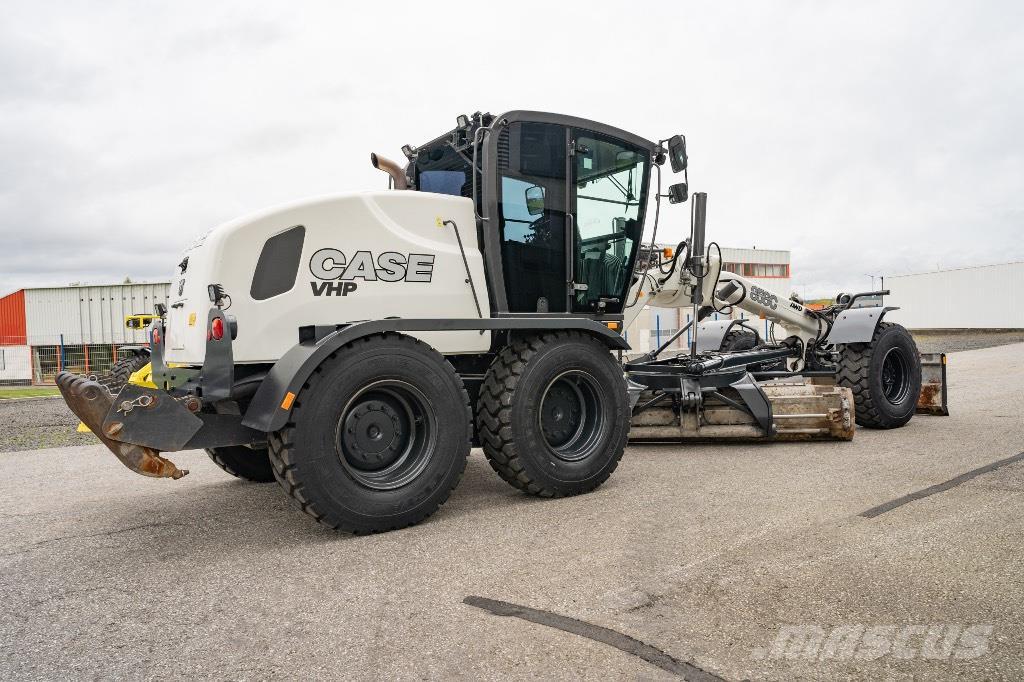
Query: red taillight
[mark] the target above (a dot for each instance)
(217, 328)
(156, 336)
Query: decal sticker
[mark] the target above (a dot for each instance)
(338, 273)
(764, 298)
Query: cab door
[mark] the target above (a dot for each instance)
(531, 171)
(607, 201)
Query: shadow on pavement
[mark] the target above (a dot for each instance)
(234, 514)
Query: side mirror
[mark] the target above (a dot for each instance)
(535, 200)
(677, 153)
(678, 193)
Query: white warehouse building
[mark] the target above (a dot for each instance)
(980, 297)
(44, 330)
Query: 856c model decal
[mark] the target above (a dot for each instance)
(765, 298)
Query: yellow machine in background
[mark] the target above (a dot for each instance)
(138, 321)
(134, 369)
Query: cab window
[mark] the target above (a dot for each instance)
(532, 209)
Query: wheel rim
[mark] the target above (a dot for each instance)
(386, 435)
(571, 418)
(895, 376)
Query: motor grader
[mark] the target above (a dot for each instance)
(354, 347)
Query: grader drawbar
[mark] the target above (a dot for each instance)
(354, 347)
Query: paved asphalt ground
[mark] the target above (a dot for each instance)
(704, 552)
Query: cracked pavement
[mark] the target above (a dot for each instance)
(704, 552)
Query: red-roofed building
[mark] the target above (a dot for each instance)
(46, 329)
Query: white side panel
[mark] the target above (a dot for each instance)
(52, 312)
(968, 298)
(90, 314)
(15, 363)
(359, 226)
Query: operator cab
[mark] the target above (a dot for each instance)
(560, 206)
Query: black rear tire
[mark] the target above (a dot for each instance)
(378, 436)
(884, 375)
(553, 414)
(242, 462)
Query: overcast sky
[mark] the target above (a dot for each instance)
(867, 138)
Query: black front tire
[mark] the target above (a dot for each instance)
(378, 437)
(884, 375)
(553, 414)
(242, 462)
(738, 340)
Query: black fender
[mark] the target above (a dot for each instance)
(272, 404)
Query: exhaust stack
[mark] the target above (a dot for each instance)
(392, 169)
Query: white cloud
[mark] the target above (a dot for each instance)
(866, 138)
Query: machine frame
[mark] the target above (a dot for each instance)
(237, 409)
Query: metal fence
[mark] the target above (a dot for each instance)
(39, 360)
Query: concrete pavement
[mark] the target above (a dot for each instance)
(705, 552)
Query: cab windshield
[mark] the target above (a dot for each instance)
(609, 186)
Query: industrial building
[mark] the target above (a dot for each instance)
(655, 325)
(980, 297)
(44, 330)
(79, 328)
